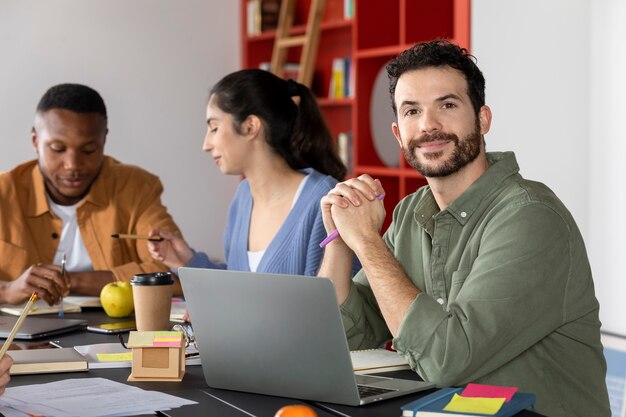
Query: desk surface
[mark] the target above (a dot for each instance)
(211, 401)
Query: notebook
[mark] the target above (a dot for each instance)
(40, 307)
(34, 327)
(42, 361)
(278, 335)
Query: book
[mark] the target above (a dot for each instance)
(377, 360)
(344, 149)
(84, 301)
(43, 361)
(39, 307)
(433, 405)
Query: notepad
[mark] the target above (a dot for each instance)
(43, 361)
(377, 360)
(39, 307)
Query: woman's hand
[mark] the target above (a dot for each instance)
(173, 251)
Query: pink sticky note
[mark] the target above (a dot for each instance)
(489, 391)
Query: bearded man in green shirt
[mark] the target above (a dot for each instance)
(482, 276)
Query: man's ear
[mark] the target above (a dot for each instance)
(35, 140)
(251, 126)
(484, 118)
(396, 132)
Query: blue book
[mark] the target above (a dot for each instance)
(432, 405)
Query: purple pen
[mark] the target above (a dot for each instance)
(335, 233)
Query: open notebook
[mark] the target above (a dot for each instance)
(39, 307)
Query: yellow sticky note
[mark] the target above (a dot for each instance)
(115, 357)
(478, 405)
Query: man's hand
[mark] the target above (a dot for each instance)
(173, 251)
(89, 282)
(353, 207)
(5, 364)
(45, 280)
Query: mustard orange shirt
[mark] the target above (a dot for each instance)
(122, 199)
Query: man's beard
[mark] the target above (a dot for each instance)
(465, 151)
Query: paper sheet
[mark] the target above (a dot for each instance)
(489, 391)
(87, 397)
(488, 406)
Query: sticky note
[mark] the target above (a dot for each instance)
(489, 391)
(477, 405)
(115, 357)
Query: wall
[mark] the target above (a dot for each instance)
(555, 83)
(538, 89)
(607, 147)
(153, 61)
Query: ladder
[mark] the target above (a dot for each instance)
(309, 41)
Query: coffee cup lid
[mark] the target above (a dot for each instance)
(155, 278)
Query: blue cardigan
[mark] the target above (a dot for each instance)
(295, 248)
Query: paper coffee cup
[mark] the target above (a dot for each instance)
(152, 294)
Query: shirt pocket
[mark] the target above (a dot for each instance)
(13, 262)
(458, 279)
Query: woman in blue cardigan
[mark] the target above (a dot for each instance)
(270, 131)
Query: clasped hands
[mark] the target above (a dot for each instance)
(352, 207)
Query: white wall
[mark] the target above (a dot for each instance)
(555, 82)
(153, 61)
(607, 146)
(534, 55)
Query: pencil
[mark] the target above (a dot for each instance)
(17, 325)
(124, 236)
(335, 233)
(61, 312)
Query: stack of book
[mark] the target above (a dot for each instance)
(262, 15)
(341, 79)
(474, 400)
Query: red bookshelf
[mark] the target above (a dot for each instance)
(376, 33)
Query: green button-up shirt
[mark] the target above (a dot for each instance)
(507, 294)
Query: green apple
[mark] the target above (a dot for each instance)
(117, 299)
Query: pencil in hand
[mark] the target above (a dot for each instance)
(126, 236)
(61, 312)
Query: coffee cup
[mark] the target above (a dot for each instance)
(152, 294)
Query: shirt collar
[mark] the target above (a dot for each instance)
(502, 165)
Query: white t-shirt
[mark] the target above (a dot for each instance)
(254, 258)
(77, 258)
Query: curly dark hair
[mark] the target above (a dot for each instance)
(297, 133)
(74, 97)
(438, 53)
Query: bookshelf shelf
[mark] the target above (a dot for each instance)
(375, 33)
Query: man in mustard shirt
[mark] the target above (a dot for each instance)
(482, 275)
(70, 200)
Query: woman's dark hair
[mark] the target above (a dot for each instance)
(297, 133)
(439, 53)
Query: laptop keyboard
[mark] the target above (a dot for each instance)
(366, 391)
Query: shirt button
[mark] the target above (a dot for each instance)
(463, 214)
(440, 301)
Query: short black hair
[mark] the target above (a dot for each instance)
(439, 53)
(74, 97)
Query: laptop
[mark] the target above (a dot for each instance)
(278, 335)
(36, 327)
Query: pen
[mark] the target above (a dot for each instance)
(61, 313)
(335, 233)
(125, 236)
(18, 324)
